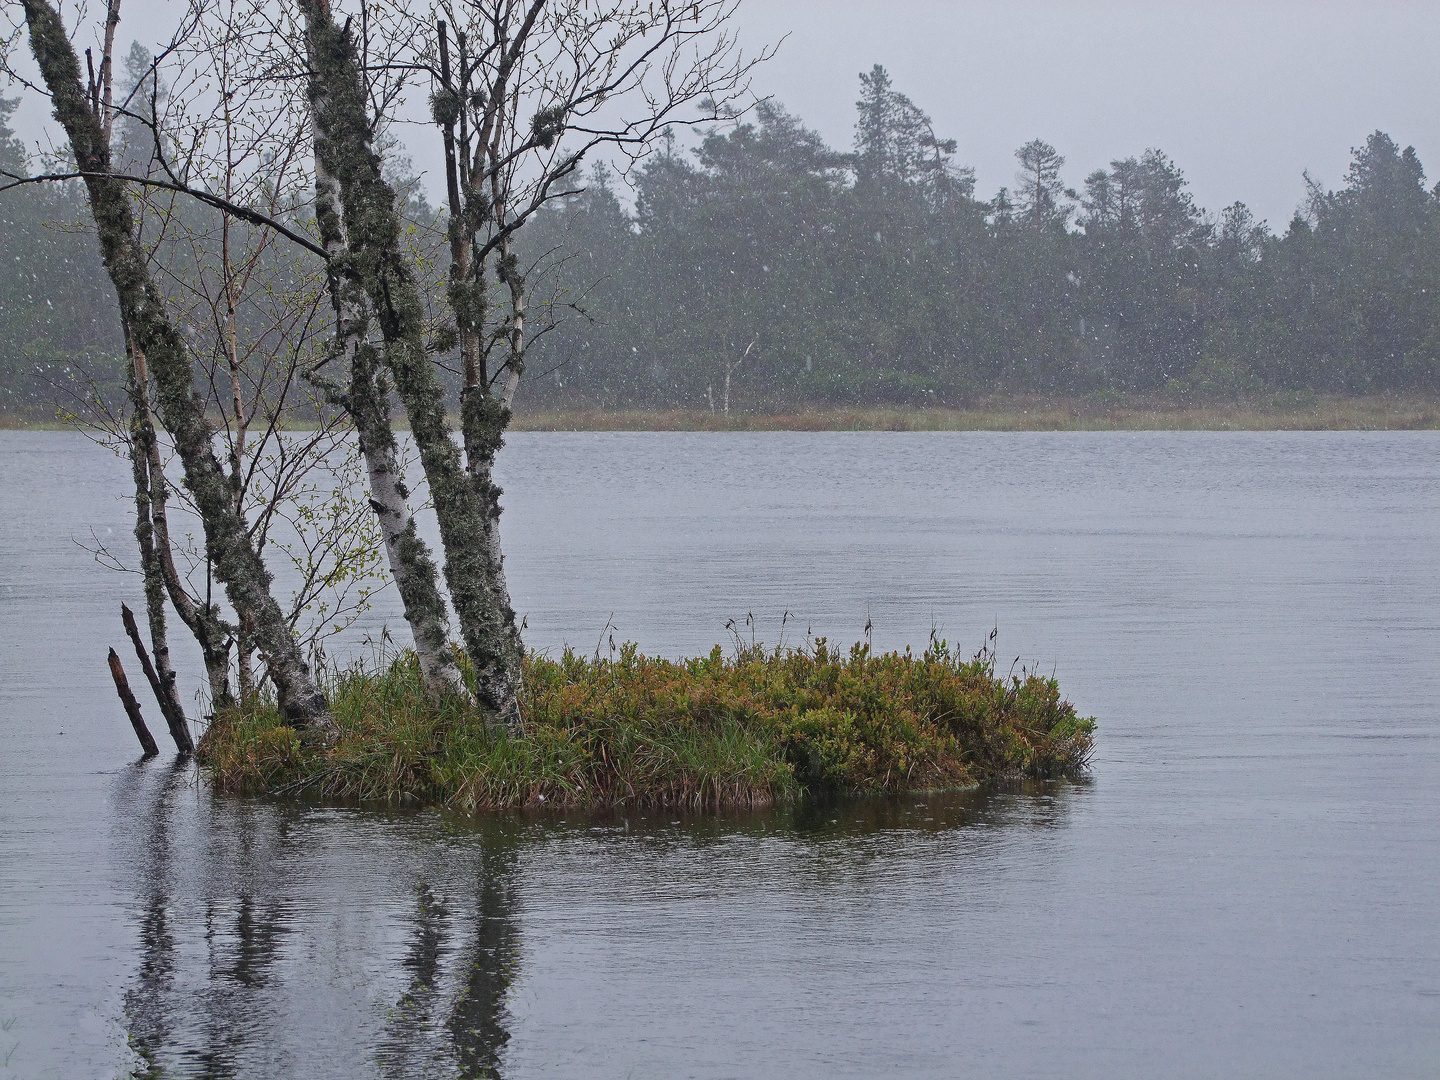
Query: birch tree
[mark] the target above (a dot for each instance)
(85, 110)
(533, 89)
(251, 311)
(212, 158)
(527, 92)
(239, 43)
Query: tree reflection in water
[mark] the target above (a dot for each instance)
(477, 1021)
(482, 956)
(145, 1001)
(264, 940)
(288, 940)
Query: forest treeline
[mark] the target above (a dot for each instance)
(879, 275)
(58, 317)
(803, 274)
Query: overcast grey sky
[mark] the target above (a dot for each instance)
(1243, 95)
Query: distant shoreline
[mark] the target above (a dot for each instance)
(1285, 411)
(1275, 412)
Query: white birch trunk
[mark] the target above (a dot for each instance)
(410, 562)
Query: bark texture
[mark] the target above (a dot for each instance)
(228, 546)
(163, 690)
(367, 401)
(484, 416)
(132, 707)
(203, 621)
(373, 231)
(484, 420)
(162, 673)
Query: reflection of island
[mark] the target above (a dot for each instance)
(253, 957)
(275, 939)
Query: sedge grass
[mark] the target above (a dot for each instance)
(751, 729)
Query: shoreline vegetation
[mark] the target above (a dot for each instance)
(753, 729)
(1290, 411)
(1302, 411)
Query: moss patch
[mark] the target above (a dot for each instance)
(752, 729)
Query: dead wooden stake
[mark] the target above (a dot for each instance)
(179, 729)
(132, 707)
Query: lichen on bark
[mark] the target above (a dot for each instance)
(228, 546)
(367, 402)
(142, 437)
(344, 147)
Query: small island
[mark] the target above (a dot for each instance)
(750, 729)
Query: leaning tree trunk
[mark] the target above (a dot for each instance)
(227, 543)
(372, 227)
(411, 564)
(203, 620)
(367, 401)
(142, 434)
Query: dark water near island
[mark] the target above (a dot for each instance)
(1248, 885)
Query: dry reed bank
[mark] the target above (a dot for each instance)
(1130, 412)
(1299, 411)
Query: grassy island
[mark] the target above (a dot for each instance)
(751, 729)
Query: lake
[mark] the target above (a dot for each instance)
(1245, 886)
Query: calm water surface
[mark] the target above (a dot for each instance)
(1247, 886)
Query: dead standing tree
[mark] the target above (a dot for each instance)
(533, 88)
(153, 335)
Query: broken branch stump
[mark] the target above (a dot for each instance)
(132, 707)
(174, 718)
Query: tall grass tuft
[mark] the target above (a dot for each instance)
(745, 730)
